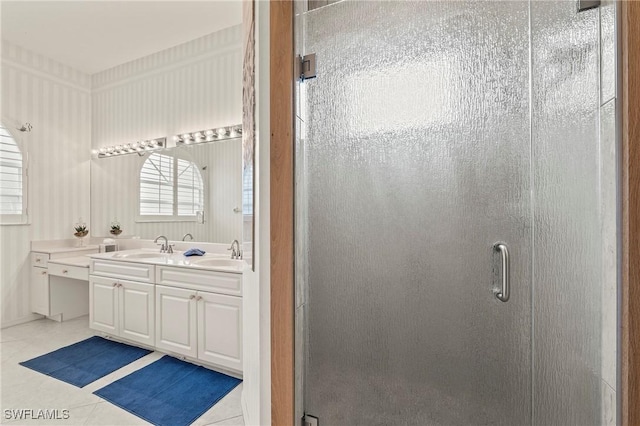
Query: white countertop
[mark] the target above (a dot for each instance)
(81, 261)
(219, 262)
(54, 250)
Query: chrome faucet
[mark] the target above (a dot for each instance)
(163, 247)
(184, 237)
(236, 253)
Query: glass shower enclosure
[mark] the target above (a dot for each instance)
(455, 213)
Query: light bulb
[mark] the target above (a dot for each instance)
(235, 131)
(222, 131)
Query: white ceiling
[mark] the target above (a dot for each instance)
(94, 35)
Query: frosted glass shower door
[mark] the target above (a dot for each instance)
(413, 160)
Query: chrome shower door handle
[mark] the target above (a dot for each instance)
(505, 291)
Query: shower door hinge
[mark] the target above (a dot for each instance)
(305, 67)
(587, 4)
(308, 420)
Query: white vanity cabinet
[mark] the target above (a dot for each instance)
(176, 320)
(103, 305)
(39, 288)
(58, 282)
(200, 324)
(220, 329)
(122, 307)
(187, 310)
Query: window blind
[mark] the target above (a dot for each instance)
(170, 187)
(247, 191)
(11, 175)
(190, 188)
(156, 186)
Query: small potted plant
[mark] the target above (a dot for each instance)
(115, 228)
(81, 230)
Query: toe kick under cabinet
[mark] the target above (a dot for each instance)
(194, 313)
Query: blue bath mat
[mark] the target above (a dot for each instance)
(86, 361)
(169, 392)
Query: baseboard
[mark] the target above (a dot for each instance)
(28, 318)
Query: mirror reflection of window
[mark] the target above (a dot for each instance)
(190, 189)
(170, 187)
(247, 190)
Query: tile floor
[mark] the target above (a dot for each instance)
(22, 388)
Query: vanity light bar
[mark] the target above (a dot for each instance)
(139, 147)
(210, 135)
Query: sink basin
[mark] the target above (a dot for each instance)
(213, 261)
(221, 263)
(136, 255)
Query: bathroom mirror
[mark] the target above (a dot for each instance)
(190, 189)
(249, 126)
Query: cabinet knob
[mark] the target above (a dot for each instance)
(64, 271)
(44, 272)
(37, 260)
(119, 285)
(193, 296)
(115, 284)
(198, 298)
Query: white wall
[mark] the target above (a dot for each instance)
(256, 291)
(609, 203)
(193, 86)
(56, 100)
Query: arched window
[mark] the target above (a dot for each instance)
(13, 177)
(170, 187)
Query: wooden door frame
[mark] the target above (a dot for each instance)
(629, 93)
(282, 231)
(281, 187)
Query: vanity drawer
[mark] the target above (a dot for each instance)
(123, 270)
(215, 282)
(39, 259)
(67, 271)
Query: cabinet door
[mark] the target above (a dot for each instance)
(103, 304)
(39, 289)
(176, 320)
(220, 330)
(136, 309)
